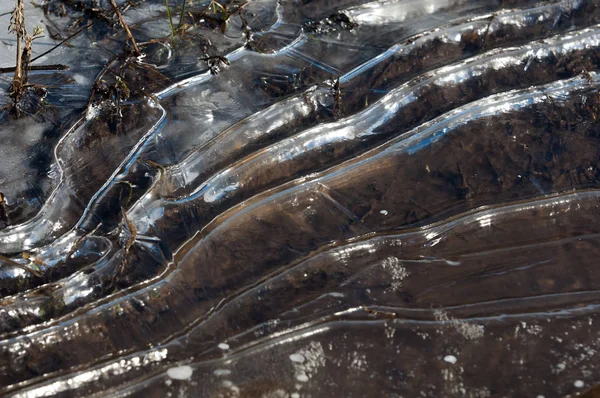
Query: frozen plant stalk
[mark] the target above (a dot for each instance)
(17, 26)
(24, 43)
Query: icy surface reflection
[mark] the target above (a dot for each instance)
(294, 199)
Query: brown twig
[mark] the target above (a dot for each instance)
(23, 56)
(126, 28)
(37, 67)
(17, 26)
(130, 241)
(62, 42)
(79, 241)
(22, 266)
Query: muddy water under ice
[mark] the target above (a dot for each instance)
(433, 233)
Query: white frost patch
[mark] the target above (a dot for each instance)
(535, 330)
(384, 212)
(452, 263)
(470, 331)
(299, 358)
(92, 112)
(222, 372)
(560, 367)
(359, 362)
(454, 385)
(307, 361)
(450, 359)
(223, 346)
(80, 79)
(389, 330)
(180, 372)
(234, 391)
(396, 271)
(578, 384)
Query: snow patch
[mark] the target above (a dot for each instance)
(180, 372)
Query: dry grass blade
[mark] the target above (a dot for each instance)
(79, 241)
(17, 26)
(129, 242)
(136, 50)
(7, 260)
(37, 67)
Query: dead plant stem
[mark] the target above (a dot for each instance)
(136, 50)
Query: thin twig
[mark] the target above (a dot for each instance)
(22, 266)
(68, 38)
(129, 242)
(136, 50)
(63, 42)
(37, 67)
(79, 241)
(17, 26)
